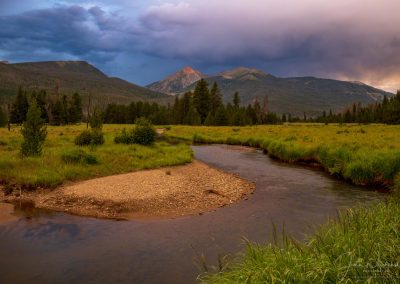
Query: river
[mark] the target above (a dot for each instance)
(39, 246)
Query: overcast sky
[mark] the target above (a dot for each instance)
(143, 41)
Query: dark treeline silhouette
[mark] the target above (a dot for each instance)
(55, 110)
(387, 111)
(203, 106)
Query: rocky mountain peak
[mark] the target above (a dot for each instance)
(174, 83)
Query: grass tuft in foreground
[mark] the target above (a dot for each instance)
(362, 246)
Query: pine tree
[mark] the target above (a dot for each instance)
(57, 113)
(64, 110)
(75, 109)
(221, 117)
(210, 120)
(259, 113)
(176, 111)
(185, 104)
(33, 131)
(3, 117)
(19, 108)
(216, 98)
(251, 114)
(201, 99)
(193, 117)
(236, 100)
(41, 100)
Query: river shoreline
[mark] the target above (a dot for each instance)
(171, 192)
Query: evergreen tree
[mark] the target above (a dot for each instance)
(221, 117)
(216, 98)
(259, 113)
(251, 114)
(33, 131)
(176, 111)
(19, 108)
(64, 110)
(210, 120)
(57, 113)
(201, 99)
(75, 109)
(236, 100)
(185, 105)
(131, 115)
(193, 117)
(41, 100)
(3, 117)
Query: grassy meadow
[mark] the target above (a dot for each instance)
(362, 154)
(362, 245)
(63, 161)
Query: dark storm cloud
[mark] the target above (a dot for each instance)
(345, 39)
(73, 30)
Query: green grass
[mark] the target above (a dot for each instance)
(362, 154)
(63, 161)
(361, 246)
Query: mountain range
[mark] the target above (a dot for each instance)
(67, 77)
(295, 95)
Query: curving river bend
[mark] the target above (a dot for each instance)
(49, 247)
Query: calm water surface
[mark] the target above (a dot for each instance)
(47, 247)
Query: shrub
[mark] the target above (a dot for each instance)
(79, 156)
(96, 120)
(84, 139)
(97, 137)
(144, 132)
(124, 137)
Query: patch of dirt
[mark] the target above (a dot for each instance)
(161, 193)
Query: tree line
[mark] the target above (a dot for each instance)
(203, 106)
(387, 111)
(55, 110)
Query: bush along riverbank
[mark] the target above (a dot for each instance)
(363, 155)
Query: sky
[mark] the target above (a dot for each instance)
(143, 41)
